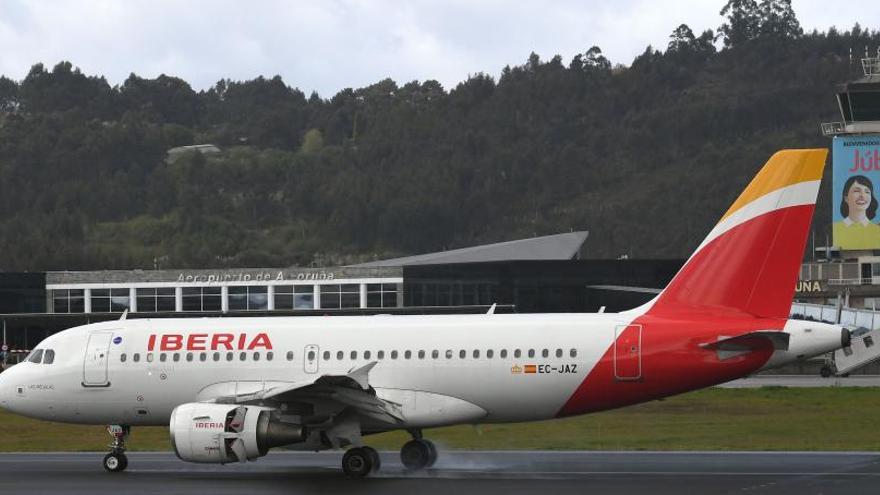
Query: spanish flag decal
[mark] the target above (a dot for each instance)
(531, 368)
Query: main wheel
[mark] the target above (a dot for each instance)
(374, 455)
(416, 454)
(358, 462)
(433, 449)
(115, 463)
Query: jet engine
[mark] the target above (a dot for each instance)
(222, 433)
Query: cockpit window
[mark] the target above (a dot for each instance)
(49, 356)
(36, 356)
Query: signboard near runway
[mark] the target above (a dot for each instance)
(854, 203)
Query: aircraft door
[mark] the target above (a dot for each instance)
(628, 352)
(96, 360)
(311, 355)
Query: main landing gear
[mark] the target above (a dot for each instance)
(116, 461)
(358, 462)
(418, 453)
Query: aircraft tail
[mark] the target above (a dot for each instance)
(749, 262)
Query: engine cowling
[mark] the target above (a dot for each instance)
(223, 433)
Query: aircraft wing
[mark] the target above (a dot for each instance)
(351, 390)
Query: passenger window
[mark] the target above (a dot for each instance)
(270, 355)
(176, 357)
(531, 353)
(476, 354)
(354, 355)
(229, 356)
(448, 353)
(421, 354)
(163, 357)
(189, 356)
(489, 353)
(49, 356)
(573, 353)
(136, 357)
(517, 353)
(381, 354)
(242, 356)
(394, 354)
(435, 354)
(216, 356)
(559, 353)
(203, 356)
(545, 353)
(367, 354)
(326, 355)
(503, 353)
(462, 354)
(36, 356)
(339, 355)
(407, 355)
(122, 358)
(290, 355)
(256, 356)
(149, 357)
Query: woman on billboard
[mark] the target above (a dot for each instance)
(858, 206)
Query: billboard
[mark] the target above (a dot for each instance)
(855, 219)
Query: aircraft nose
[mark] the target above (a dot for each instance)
(7, 389)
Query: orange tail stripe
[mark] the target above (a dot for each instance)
(783, 169)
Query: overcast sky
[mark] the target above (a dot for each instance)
(329, 45)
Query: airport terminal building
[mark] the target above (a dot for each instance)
(541, 274)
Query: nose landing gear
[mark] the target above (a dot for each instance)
(116, 461)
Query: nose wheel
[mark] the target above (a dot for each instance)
(116, 461)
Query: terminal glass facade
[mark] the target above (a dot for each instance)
(294, 297)
(201, 299)
(156, 299)
(110, 300)
(68, 301)
(248, 298)
(336, 296)
(381, 295)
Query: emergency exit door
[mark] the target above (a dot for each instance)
(628, 352)
(310, 358)
(96, 359)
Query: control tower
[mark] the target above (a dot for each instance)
(845, 271)
(859, 103)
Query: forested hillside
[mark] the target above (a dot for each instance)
(646, 156)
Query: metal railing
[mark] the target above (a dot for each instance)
(833, 128)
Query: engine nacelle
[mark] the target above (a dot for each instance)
(222, 433)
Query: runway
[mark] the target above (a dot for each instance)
(537, 473)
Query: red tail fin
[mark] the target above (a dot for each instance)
(749, 262)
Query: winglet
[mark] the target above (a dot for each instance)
(492, 309)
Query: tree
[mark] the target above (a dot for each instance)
(778, 20)
(593, 58)
(743, 22)
(313, 141)
(682, 39)
(8, 95)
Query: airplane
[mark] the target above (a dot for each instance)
(231, 389)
